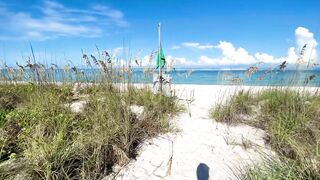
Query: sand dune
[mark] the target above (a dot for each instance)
(202, 147)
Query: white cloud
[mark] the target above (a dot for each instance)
(114, 15)
(178, 61)
(207, 61)
(116, 51)
(175, 47)
(304, 36)
(233, 56)
(291, 57)
(55, 20)
(264, 57)
(197, 45)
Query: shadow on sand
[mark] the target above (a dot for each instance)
(202, 172)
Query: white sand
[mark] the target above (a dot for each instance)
(200, 140)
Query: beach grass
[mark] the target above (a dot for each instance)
(229, 112)
(41, 137)
(52, 142)
(291, 119)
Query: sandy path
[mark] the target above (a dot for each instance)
(202, 146)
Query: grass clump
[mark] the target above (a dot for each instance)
(46, 140)
(291, 120)
(157, 108)
(11, 97)
(272, 168)
(239, 104)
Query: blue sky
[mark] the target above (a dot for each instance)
(204, 33)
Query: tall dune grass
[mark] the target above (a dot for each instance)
(290, 117)
(41, 138)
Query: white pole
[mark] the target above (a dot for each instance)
(159, 56)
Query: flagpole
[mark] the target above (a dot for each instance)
(159, 57)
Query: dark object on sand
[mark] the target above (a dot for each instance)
(202, 172)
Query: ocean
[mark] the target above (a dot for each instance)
(237, 77)
(199, 76)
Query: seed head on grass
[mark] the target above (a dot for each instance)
(50, 141)
(290, 119)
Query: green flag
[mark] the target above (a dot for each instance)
(160, 59)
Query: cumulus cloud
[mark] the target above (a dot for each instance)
(233, 56)
(170, 61)
(197, 45)
(291, 57)
(178, 60)
(304, 36)
(264, 57)
(56, 20)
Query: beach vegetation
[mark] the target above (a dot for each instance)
(288, 115)
(291, 119)
(42, 137)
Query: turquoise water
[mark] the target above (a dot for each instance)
(234, 77)
(201, 76)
